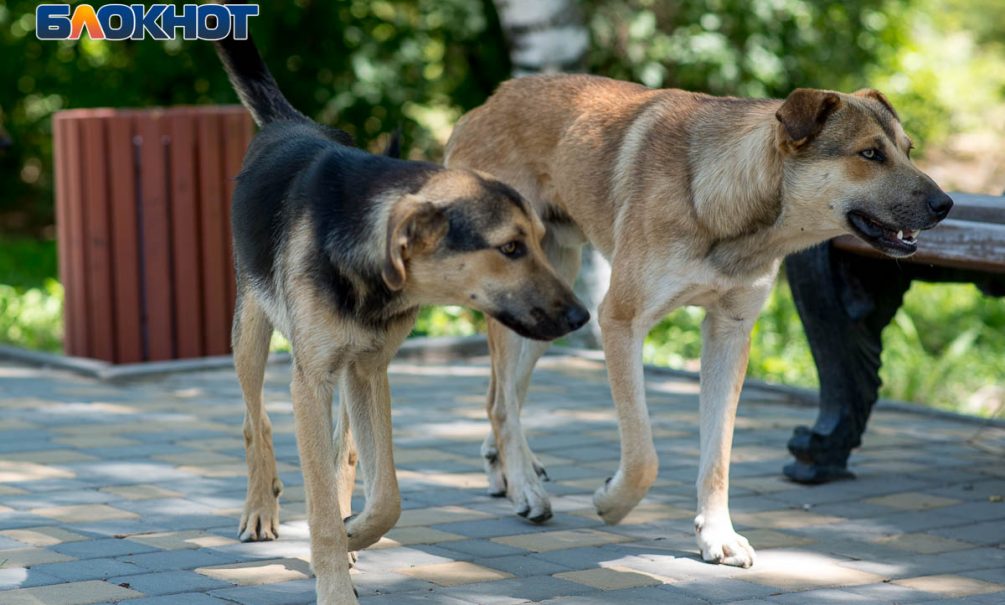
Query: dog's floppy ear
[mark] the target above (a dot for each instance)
(414, 226)
(872, 93)
(804, 113)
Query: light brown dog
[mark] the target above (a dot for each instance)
(695, 200)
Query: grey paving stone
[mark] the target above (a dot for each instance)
(523, 565)
(107, 548)
(192, 598)
(386, 559)
(516, 590)
(824, 596)
(481, 548)
(988, 533)
(20, 577)
(890, 593)
(299, 592)
(88, 569)
(723, 590)
(633, 596)
(411, 598)
(179, 559)
(169, 582)
(426, 401)
(388, 582)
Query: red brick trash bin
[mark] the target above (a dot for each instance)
(143, 228)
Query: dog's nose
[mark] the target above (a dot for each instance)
(940, 204)
(576, 316)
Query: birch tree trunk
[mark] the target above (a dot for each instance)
(549, 36)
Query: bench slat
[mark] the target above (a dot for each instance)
(978, 208)
(954, 243)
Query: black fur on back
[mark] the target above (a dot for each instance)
(297, 169)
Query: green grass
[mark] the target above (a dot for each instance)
(31, 299)
(944, 348)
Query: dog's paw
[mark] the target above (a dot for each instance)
(260, 519)
(615, 499)
(353, 557)
(719, 543)
(530, 499)
(369, 526)
(260, 524)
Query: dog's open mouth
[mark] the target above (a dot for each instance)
(890, 240)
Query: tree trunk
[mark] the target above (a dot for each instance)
(549, 36)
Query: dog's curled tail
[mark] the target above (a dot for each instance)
(252, 80)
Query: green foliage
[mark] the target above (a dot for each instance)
(943, 345)
(779, 351)
(368, 66)
(31, 300)
(745, 47)
(33, 317)
(448, 321)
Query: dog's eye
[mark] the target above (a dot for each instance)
(872, 154)
(513, 249)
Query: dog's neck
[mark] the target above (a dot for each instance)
(757, 178)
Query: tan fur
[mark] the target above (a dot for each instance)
(695, 200)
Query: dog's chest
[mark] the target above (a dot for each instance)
(703, 285)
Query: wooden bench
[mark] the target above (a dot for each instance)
(846, 292)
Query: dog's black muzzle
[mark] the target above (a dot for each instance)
(542, 325)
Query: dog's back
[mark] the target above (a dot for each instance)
(580, 123)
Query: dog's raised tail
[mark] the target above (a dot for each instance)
(252, 80)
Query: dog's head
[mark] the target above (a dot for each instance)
(848, 163)
(465, 238)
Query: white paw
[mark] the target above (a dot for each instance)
(616, 498)
(529, 497)
(523, 484)
(719, 543)
(260, 519)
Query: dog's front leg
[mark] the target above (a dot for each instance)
(623, 334)
(512, 468)
(312, 396)
(367, 395)
(725, 347)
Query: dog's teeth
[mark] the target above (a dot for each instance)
(900, 234)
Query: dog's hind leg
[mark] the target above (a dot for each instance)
(251, 335)
(511, 466)
(725, 347)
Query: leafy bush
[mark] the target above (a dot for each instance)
(33, 317)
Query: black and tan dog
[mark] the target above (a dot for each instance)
(695, 200)
(337, 248)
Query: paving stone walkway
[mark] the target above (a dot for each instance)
(131, 492)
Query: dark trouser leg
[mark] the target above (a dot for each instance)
(844, 301)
